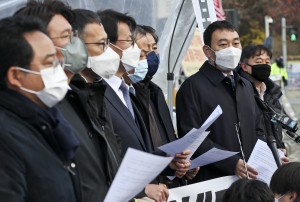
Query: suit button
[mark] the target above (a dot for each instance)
(44, 127)
(73, 165)
(90, 134)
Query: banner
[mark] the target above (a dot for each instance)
(207, 191)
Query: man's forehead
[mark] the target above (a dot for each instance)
(123, 29)
(58, 25)
(225, 34)
(261, 54)
(95, 30)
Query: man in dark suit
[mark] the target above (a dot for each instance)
(150, 101)
(216, 84)
(94, 157)
(127, 121)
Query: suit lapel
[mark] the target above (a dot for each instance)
(115, 101)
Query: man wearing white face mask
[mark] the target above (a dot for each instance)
(127, 121)
(216, 84)
(94, 159)
(37, 144)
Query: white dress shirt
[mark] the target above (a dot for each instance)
(115, 82)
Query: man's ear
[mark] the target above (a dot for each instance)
(13, 77)
(206, 51)
(293, 196)
(244, 67)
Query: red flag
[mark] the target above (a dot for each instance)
(219, 10)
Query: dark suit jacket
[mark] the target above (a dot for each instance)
(92, 156)
(144, 92)
(133, 133)
(198, 96)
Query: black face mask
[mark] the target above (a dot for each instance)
(261, 72)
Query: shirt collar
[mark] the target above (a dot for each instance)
(114, 82)
(262, 90)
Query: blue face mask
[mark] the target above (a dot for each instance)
(139, 72)
(153, 63)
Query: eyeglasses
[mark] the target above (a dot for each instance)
(70, 36)
(103, 44)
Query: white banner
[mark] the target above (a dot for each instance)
(207, 191)
(205, 14)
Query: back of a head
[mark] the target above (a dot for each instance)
(14, 48)
(279, 61)
(286, 178)
(46, 9)
(110, 19)
(253, 50)
(217, 25)
(83, 18)
(245, 190)
(151, 31)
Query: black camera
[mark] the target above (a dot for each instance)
(287, 123)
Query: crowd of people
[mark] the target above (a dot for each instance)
(76, 93)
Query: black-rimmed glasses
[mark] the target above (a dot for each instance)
(104, 44)
(70, 36)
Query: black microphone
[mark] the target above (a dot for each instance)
(272, 144)
(294, 136)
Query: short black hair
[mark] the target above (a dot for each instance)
(84, 17)
(151, 31)
(245, 190)
(110, 19)
(286, 178)
(253, 50)
(14, 48)
(45, 10)
(139, 30)
(217, 25)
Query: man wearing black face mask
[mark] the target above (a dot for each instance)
(255, 67)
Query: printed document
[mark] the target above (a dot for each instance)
(211, 156)
(136, 171)
(263, 161)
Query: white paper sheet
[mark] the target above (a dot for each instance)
(136, 171)
(193, 139)
(262, 160)
(211, 156)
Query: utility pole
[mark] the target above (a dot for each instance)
(283, 33)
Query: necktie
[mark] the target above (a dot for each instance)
(232, 80)
(125, 91)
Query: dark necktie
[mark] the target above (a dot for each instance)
(232, 81)
(125, 91)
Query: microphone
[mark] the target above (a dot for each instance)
(294, 136)
(272, 144)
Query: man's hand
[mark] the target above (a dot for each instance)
(180, 164)
(192, 173)
(145, 199)
(284, 160)
(240, 170)
(157, 192)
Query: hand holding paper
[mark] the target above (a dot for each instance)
(136, 171)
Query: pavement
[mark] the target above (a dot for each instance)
(293, 149)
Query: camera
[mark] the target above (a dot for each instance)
(287, 123)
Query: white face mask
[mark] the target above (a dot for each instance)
(56, 85)
(105, 65)
(130, 57)
(277, 199)
(228, 58)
